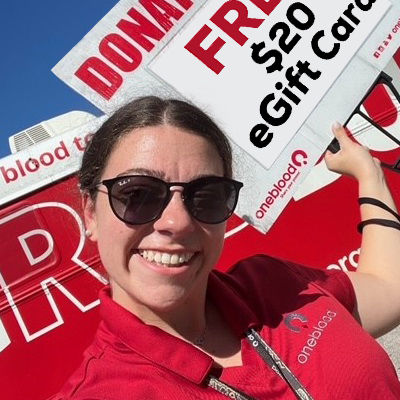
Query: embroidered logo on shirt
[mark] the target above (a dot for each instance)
(315, 336)
(295, 317)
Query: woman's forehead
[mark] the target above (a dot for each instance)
(164, 148)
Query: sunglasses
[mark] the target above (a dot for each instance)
(139, 199)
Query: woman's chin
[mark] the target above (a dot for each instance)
(159, 299)
(158, 288)
(166, 300)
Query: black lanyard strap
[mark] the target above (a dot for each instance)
(227, 390)
(273, 360)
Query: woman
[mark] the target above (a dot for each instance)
(157, 190)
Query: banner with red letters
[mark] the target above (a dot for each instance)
(270, 72)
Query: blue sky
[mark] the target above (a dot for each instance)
(35, 36)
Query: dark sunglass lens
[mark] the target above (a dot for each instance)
(211, 201)
(138, 199)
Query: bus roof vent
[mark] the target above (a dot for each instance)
(29, 137)
(47, 129)
(38, 133)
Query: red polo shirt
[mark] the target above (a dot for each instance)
(302, 314)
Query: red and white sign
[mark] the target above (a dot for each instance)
(49, 280)
(107, 65)
(259, 67)
(262, 70)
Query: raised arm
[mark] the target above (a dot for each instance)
(377, 280)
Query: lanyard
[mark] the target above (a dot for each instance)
(273, 360)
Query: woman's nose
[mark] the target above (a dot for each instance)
(175, 218)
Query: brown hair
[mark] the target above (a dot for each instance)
(144, 112)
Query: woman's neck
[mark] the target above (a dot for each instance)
(195, 320)
(186, 320)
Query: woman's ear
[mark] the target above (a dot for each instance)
(89, 214)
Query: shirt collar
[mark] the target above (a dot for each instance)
(166, 350)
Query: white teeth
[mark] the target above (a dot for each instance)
(174, 259)
(150, 255)
(166, 259)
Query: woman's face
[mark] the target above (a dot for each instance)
(175, 155)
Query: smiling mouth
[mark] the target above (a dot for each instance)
(169, 260)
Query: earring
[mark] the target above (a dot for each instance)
(88, 233)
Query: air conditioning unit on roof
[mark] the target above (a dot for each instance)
(47, 129)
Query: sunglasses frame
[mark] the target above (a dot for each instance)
(171, 186)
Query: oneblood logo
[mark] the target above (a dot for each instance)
(283, 185)
(315, 336)
(295, 317)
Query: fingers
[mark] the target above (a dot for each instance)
(377, 161)
(340, 134)
(328, 155)
(352, 159)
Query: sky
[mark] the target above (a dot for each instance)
(35, 36)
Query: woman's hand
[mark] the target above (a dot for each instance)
(353, 159)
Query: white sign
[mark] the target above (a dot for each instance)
(274, 74)
(262, 75)
(108, 65)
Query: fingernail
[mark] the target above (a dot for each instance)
(336, 125)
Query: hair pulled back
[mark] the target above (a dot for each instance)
(144, 112)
